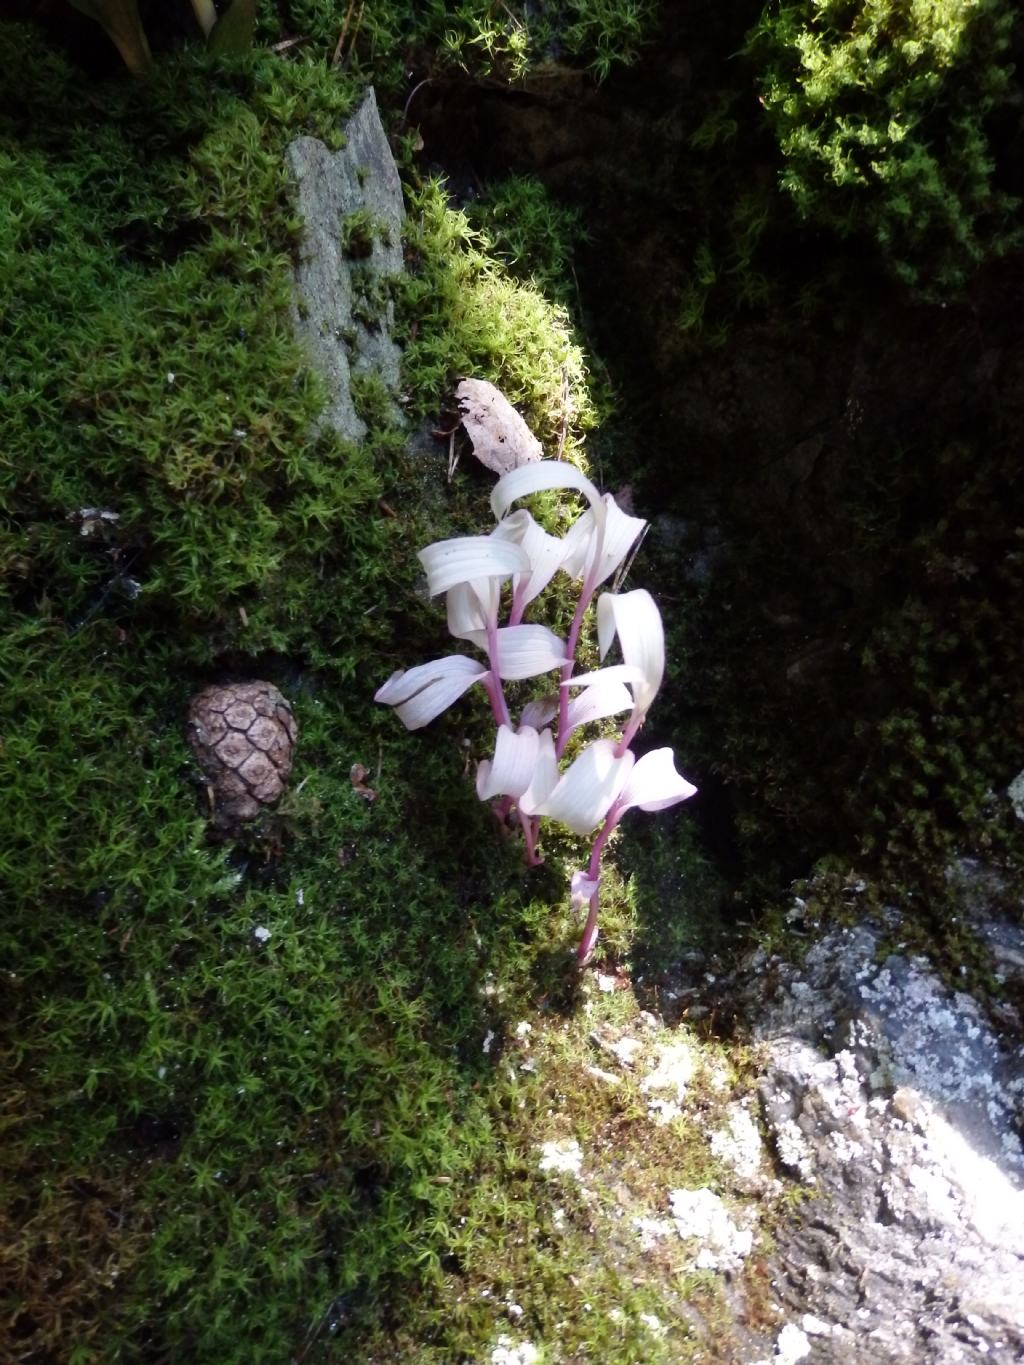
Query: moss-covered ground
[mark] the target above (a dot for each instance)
(312, 1142)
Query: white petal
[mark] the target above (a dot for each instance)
(595, 702)
(422, 693)
(584, 794)
(545, 774)
(614, 673)
(540, 712)
(535, 478)
(470, 607)
(578, 543)
(620, 535)
(544, 551)
(515, 761)
(466, 558)
(525, 651)
(654, 783)
(605, 623)
(581, 541)
(635, 617)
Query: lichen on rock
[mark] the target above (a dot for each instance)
(342, 310)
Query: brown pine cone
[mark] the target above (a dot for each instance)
(243, 736)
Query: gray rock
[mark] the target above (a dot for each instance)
(342, 308)
(891, 1097)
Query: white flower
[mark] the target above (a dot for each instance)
(544, 552)
(635, 618)
(602, 784)
(582, 796)
(606, 698)
(468, 559)
(422, 693)
(470, 570)
(535, 478)
(513, 766)
(597, 544)
(654, 784)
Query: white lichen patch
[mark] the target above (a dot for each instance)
(625, 1050)
(700, 1216)
(508, 1352)
(562, 1157)
(793, 1150)
(738, 1144)
(791, 1345)
(653, 1324)
(668, 1082)
(653, 1230)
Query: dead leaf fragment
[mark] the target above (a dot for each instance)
(358, 776)
(501, 439)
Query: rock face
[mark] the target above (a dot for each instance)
(243, 736)
(351, 204)
(893, 1100)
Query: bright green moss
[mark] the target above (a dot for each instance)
(882, 113)
(532, 233)
(236, 1148)
(467, 316)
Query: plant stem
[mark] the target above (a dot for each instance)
(530, 825)
(632, 726)
(518, 609)
(494, 697)
(593, 871)
(586, 593)
(498, 702)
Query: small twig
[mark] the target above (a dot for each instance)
(288, 43)
(355, 34)
(620, 577)
(341, 36)
(100, 601)
(427, 80)
(453, 459)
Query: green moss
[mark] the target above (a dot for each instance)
(882, 113)
(508, 41)
(231, 1146)
(465, 316)
(359, 230)
(534, 234)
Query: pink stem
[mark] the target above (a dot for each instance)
(498, 702)
(632, 726)
(593, 871)
(533, 859)
(494, 697)
(518, 606)
(587, 592)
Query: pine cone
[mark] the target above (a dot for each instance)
(243, 736)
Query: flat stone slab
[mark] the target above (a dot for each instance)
(342, 309)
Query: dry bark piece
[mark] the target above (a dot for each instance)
(243, 736)
(359, 775)
(501, 439)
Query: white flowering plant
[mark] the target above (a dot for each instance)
(527, 774)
